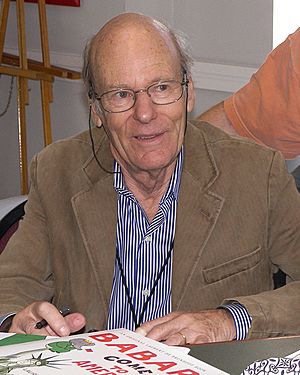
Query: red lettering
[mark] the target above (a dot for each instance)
(81, 363)
(184, 372)
(97, 370)
(162, 366)
(93, 368)
(104, 337)
(119, 370)
(142, 356)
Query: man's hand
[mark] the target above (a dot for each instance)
(180, 328)
(25, 320)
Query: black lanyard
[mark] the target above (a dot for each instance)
(138, 321)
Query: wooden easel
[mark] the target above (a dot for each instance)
(24, 69)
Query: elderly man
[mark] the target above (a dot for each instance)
(169, 226)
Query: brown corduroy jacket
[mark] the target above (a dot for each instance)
(238, 219)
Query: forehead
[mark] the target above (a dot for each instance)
(135, 57)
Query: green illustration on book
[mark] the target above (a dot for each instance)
(14, 361)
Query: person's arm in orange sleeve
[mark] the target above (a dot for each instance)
(266, 109)
(216, 116)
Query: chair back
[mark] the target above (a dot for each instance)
(11, 212)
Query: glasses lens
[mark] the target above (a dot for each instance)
(121, 100)
(165, 92)
(117, 100)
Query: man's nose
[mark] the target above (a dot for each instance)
(144, 109)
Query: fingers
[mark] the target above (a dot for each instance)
(75, 321)
(63, 326)
(177, 339)
(163, 328)
(182, 337)
(25, 320)
(190, 328)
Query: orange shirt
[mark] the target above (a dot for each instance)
(267, 109)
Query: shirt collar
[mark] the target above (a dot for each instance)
(174, 184)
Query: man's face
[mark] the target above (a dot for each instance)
(148, 136)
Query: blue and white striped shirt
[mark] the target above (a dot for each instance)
(143, 248)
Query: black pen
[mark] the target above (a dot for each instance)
(43, 323)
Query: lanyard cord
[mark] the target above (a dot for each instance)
(138, 322)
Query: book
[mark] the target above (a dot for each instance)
(113, 352)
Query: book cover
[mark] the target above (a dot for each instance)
(113, 352)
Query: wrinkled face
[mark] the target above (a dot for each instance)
(148, 136)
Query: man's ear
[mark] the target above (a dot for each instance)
(191, 97)
(96, 117)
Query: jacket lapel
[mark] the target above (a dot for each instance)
(198, 211)
(95, 211)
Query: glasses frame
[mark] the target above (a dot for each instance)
(184, 82)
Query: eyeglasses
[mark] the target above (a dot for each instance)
(161, 93)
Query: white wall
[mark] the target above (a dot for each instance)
(229, 39)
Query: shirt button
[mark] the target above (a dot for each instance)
(148, 239)
(146, 292)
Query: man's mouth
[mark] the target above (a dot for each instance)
(148, 137)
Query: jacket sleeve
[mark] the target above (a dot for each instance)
(276, 312)
(25, 267)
